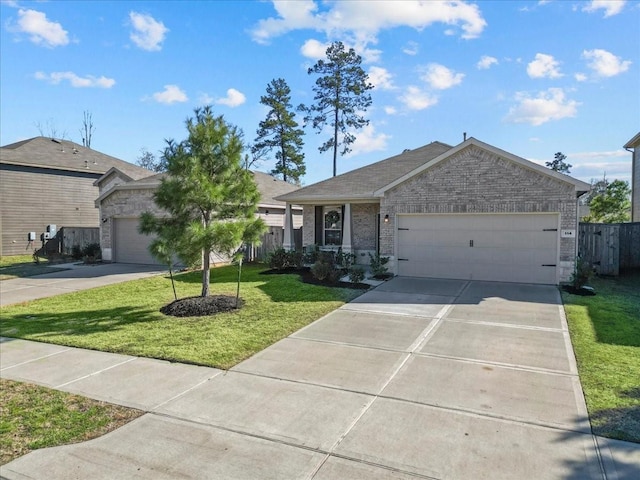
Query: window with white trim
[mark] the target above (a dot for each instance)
(332, 225)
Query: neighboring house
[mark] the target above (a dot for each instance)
(471, 211)
(46, 181)
(634, 144)
(123, 200)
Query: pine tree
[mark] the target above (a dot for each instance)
(341, 95)
(558, 164)
(280, 132)
(210, 199)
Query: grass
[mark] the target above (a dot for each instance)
(33, 417)
(125, 318)
(20, 266)
(605, 332)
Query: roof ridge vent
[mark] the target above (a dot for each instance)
(56, 141)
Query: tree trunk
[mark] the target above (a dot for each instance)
(206, 260)
(335, 138)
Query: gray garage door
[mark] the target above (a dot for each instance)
(129, 245)
(500, 247)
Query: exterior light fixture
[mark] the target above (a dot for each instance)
(386, 218)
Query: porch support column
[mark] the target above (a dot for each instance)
(346, 229)
(288, 242)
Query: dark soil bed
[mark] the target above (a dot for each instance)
(201, 306)
(583, 291)
(307, 277)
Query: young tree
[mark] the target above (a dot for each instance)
(341, 96)
(558, 164)
(210, 199)
(280, 131)
(611, 206)
(149, 161)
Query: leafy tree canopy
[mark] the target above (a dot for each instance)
(612, 205)
(341, 96)
(209, 198)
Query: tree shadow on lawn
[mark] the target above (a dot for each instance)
(77, 323)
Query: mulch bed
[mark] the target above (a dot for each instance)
(201, 306)
(307, 277)
(583, 291)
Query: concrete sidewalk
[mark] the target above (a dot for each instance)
(415, 379)
(76, 277)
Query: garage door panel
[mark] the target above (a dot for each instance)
(506, 247)
(130, 246)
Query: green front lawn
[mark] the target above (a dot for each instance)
(125, 318)
(24, 266)
(34, 417)
(605, 332)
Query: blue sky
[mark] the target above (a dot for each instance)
(530, 77)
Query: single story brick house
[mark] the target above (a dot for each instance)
(471, 211)
(123, 199)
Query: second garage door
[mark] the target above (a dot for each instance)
(495, 247)
(129, 245)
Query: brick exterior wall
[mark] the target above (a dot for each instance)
(476, 181)
(124, 204)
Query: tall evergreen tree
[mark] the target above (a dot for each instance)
(210, 199)
(280, 132)
(558, 163)
(341, 96)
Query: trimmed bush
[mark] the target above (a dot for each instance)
(356, 274)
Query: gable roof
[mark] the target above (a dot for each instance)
(44, 152)
(362, 183)
(372, 181)
(268, 186)
(634, 142)
(580, 186)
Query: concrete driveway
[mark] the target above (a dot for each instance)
(76, 277)
(418, 378)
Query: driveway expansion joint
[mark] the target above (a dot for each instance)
(36, 359)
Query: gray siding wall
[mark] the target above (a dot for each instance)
(32, 198)
(635, 209)
(476, 181)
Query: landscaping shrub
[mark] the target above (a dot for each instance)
(325, 268)
(92, 252)
(310, 255)
(356, 274)
(377, 264)
(76, 252)
(582, 273)
(345, 260)
(281, 259)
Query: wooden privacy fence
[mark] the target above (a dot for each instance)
(271, 240)
(610, 247)
(81, 236)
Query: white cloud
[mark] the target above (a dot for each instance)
(605, 64)
(440, 77)
(314, 49)
(205, 99)
(411, 48)
(416, 99)
(390, 110)
(170, 94)
(485, 62)
(368, 140)
(363, 20)
(41, 30)
(148, 33)
(544, 66)
(233, 99)
(610, 7)
(76, 81)
(580, 77)
(550, 104)
(381, 78)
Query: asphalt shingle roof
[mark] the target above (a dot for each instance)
(364, 181)
(45, 152)
(268, 186)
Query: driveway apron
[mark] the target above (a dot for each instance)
(418, 378)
